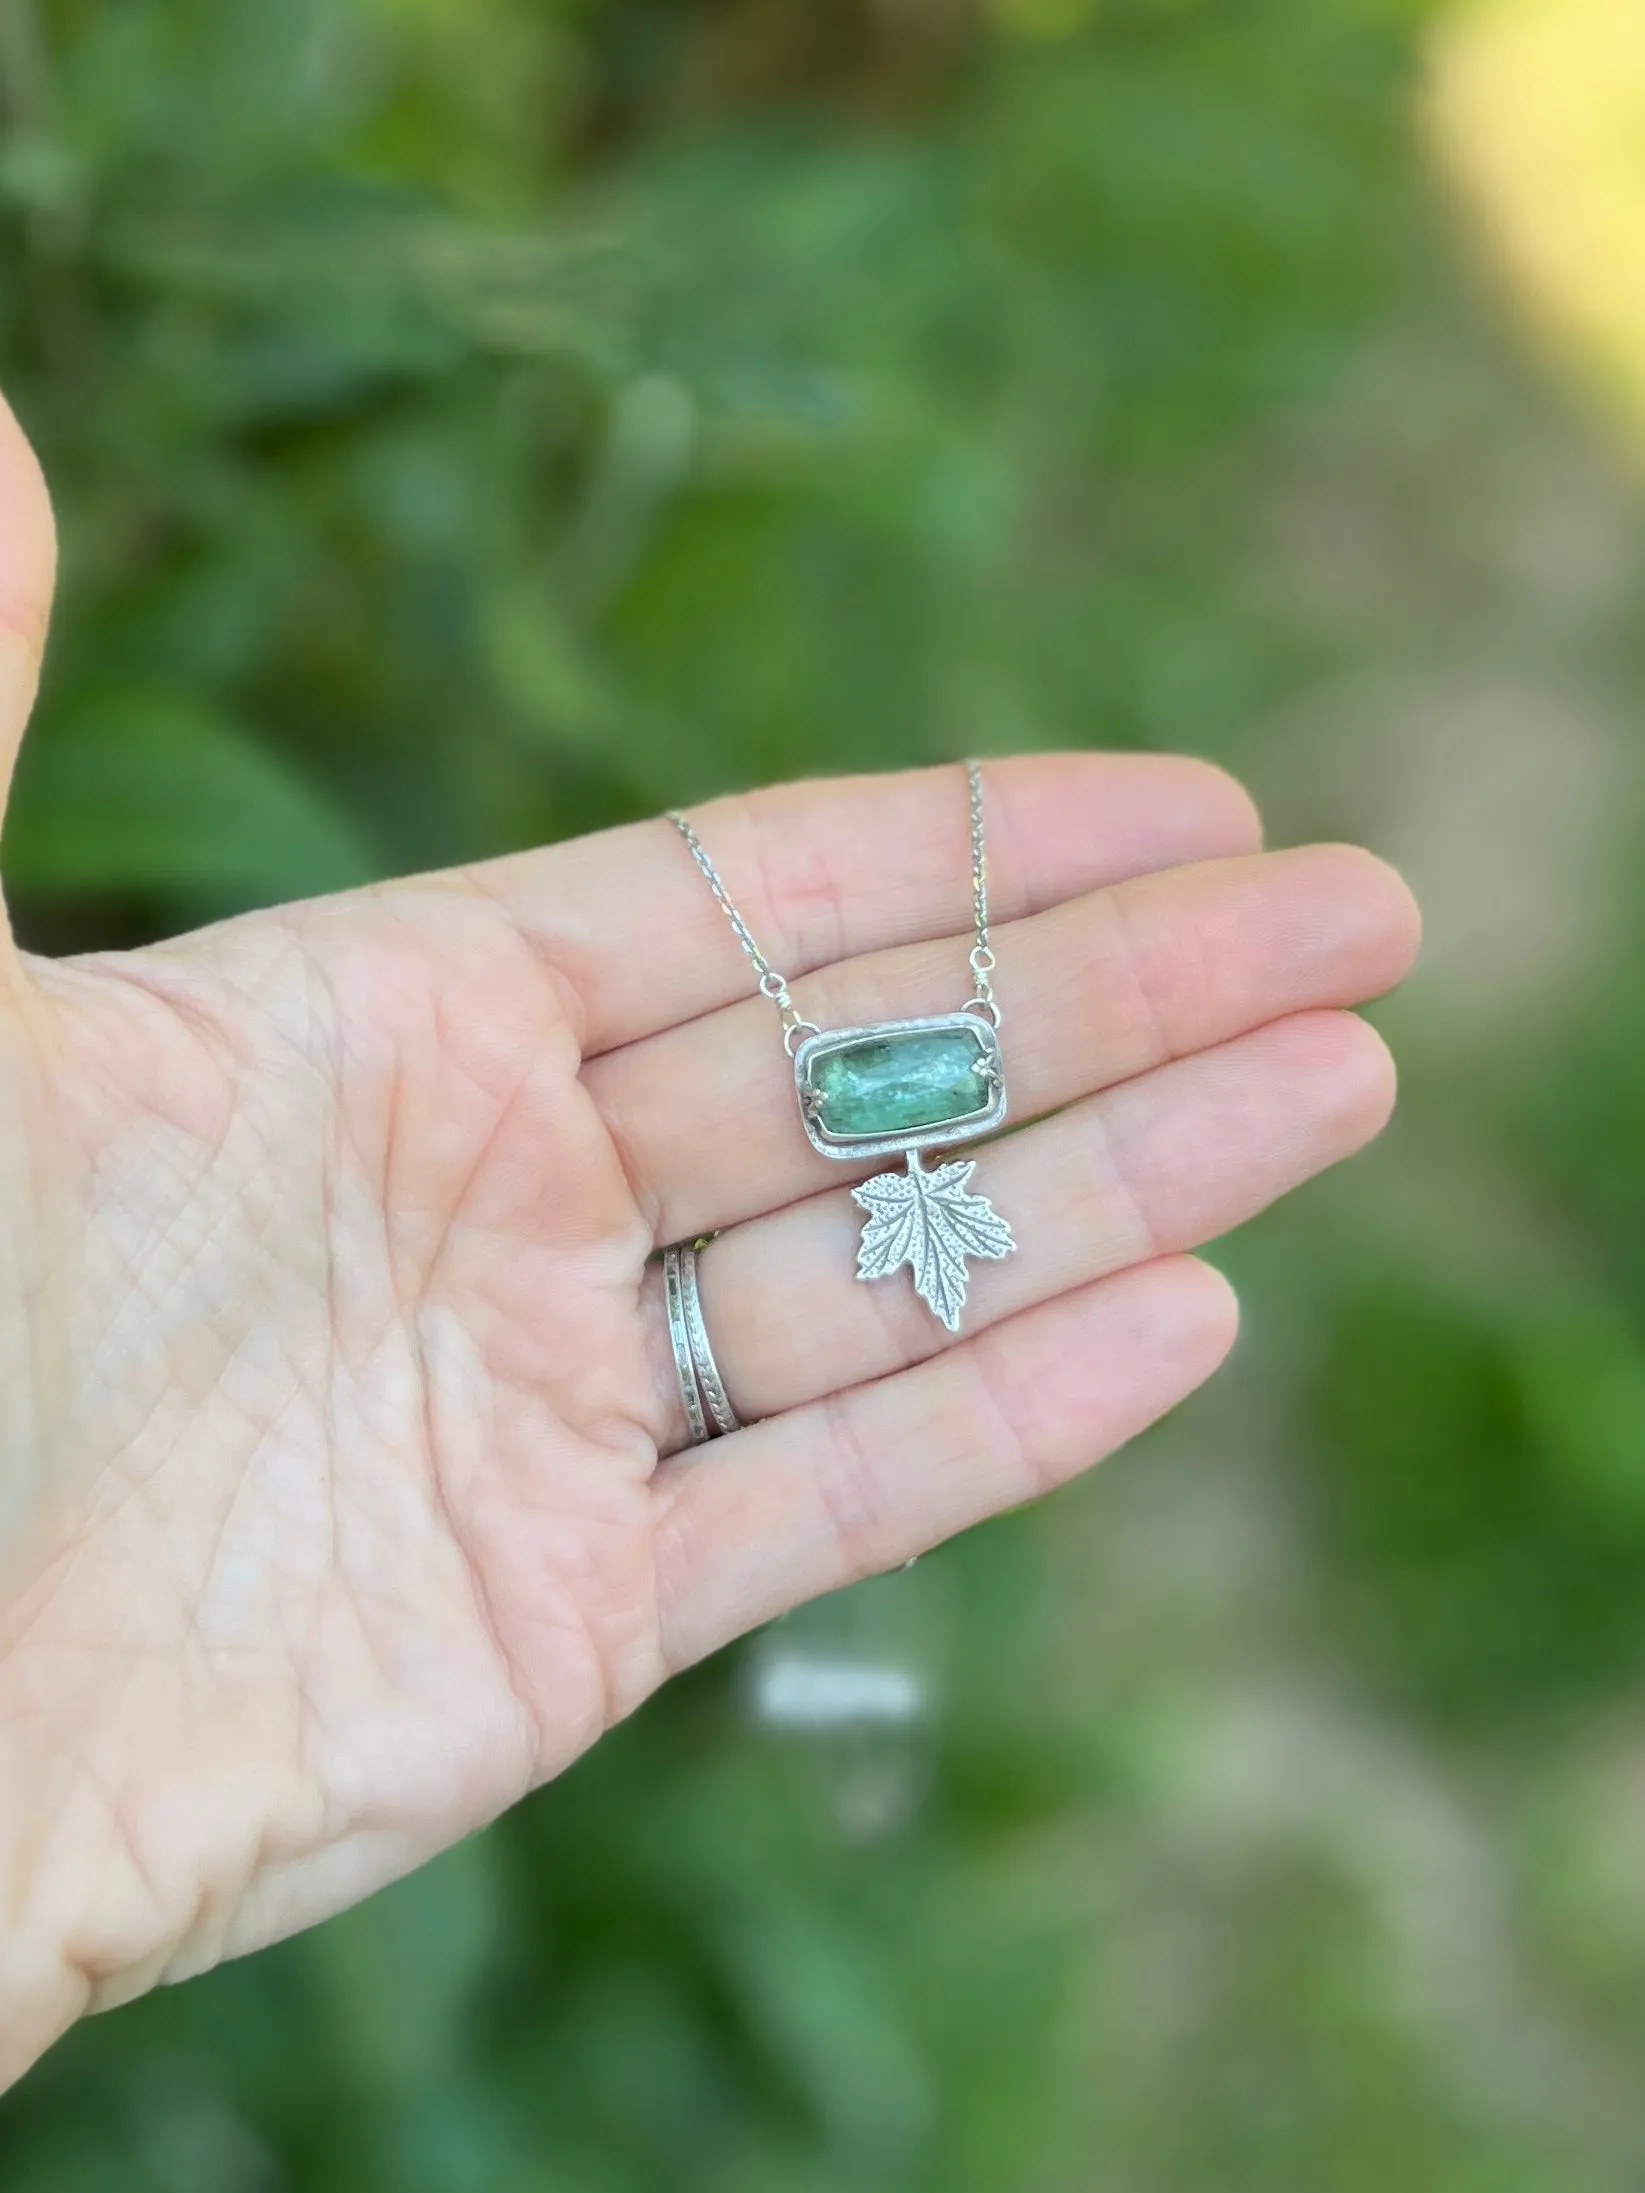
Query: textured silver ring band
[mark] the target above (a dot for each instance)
(712, 1385)
(696, 1419)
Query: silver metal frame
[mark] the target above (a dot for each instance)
(943, 1132)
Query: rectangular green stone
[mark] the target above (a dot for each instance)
(891, 1084)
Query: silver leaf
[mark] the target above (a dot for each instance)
(932, 1223)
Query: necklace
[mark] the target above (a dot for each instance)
(898, 1087)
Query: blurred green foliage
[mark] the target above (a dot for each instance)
(474, 421)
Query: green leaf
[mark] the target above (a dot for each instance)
(153, 792)
(397, 1976)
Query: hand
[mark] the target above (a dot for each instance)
(342, 1499)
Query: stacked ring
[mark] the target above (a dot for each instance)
(708, 1410)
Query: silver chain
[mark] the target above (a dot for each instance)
(775, 986)
(982, 952)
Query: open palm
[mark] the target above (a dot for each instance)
(342, 1498)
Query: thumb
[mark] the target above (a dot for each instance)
(28, 567)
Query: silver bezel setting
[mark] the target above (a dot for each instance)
(917, 1138)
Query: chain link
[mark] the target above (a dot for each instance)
(983, 961)
(772, 985)
(775, 986)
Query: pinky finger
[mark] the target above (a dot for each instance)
(852, 1485)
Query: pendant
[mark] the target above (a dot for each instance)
(893, 1090)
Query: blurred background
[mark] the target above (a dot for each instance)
(476, 421)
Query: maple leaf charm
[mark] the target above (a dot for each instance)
(932, 1223)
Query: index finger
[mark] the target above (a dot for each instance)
(839, 866)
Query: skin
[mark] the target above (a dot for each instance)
(341, 1499)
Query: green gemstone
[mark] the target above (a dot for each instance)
(889, 1085)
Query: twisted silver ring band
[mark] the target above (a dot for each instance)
(696, 1419)
(708, 1409)
(721, 1413)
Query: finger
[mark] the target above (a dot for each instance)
(825, 870)
(1095, 991)
(857, 1483)
(1158, 1165)
(28, 562)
